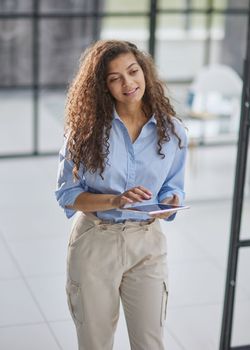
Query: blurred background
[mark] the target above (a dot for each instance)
(198, 47)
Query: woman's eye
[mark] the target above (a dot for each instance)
(134, 71)
(113, 79)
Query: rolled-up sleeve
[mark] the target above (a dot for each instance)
(174, 182)
(68, 188)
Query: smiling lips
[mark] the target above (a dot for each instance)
(131, 92)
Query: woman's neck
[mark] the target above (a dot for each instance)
(131, 113)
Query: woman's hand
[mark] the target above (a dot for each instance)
(133, 195)
(174, 200)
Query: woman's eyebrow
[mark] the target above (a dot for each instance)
(112, 73)
(131, 65)
(126, 68)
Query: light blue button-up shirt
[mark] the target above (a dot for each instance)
(129, 165)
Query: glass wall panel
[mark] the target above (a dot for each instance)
(234, 4)
(68, 5)
(210, 174)
(233, 43)
(15, 52)
(175, 49)
(218, 26)
(134, 29)
(171, 4)
(211, 102)
(15, 6)
(221, 4)
(125, 6)
(171, 22)
(241, 319)
(199, 4)
(245, 219)
(198, 23)
(62, 42)
(16, 122)
(51, 120)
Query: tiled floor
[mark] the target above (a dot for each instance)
(33, 243)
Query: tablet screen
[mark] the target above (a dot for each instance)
(154, 208)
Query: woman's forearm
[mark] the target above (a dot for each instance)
(91, 202)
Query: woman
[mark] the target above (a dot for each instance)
(123, 145)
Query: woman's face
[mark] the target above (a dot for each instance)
(125, 79)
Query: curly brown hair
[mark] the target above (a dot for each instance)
(89, 107)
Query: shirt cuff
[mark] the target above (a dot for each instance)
(171, 217)
(68, 198)
(69, 212)
(170, 194)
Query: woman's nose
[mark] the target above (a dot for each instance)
(127, 81)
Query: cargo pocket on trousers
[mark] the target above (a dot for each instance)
(164, 303)
(74, 298)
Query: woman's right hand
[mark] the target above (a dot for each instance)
(133, 195)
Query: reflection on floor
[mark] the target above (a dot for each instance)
(33, 244)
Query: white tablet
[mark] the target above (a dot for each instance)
(152, 209)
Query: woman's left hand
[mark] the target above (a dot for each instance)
(172, 200)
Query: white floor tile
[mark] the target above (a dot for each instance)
(66, 334)
(16, 304)
(32, 337)
(39, 220)
(35, 211)
(205, 173)
(208, 228)
(44, 256)
(8, 269)
(28, 177)
(50, 293)
(181, 247)
(193, 283)
(196, 327)
(121, 341)
(172, 342)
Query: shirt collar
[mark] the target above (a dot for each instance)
(151, 120)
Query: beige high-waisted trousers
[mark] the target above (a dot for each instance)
(107, 262)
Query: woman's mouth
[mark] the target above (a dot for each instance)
(131, 92)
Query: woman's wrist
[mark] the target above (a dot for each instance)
(91, 202)
(114, 201)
